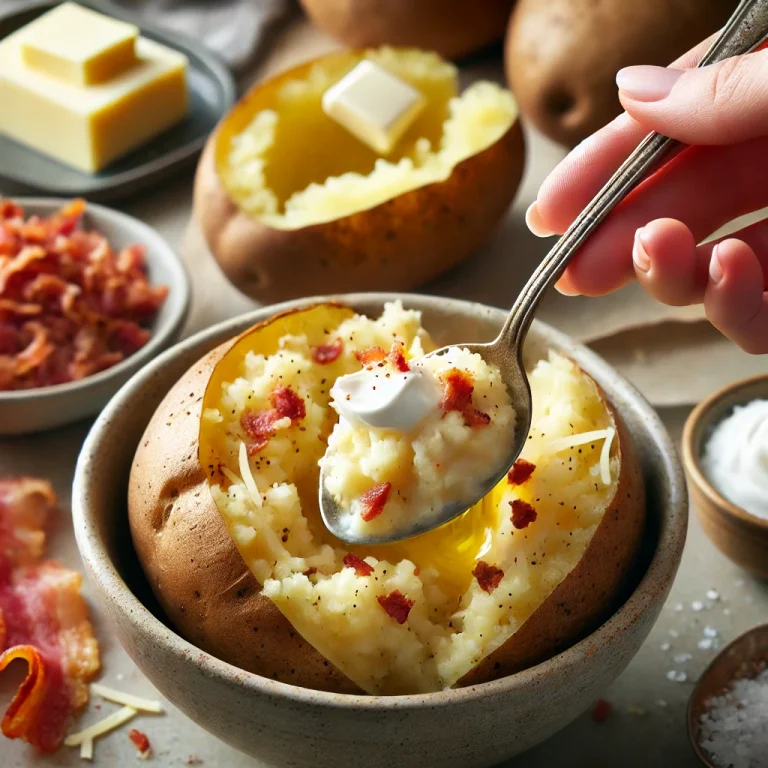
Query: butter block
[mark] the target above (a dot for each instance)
(78, 45)
(373, 105)
(89, 127)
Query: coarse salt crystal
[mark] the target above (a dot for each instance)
(665, 646)
(713, 594)
(697, 606)
(681, 658)
(710, 632)
(679, 608)
(706, 644)
(734, 729)
(676, 677)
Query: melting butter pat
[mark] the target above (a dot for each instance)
(88, 127)
(373, 105)
(78, 45)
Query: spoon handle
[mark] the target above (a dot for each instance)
(746, 30)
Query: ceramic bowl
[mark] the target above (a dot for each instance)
(738, 535)
(286, 725)
(34, 410)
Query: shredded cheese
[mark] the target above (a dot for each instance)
(126, 699)
(245, 471)
(109, 723)
(573, 441)
(230, 475)
(86, 750)
(605, 456)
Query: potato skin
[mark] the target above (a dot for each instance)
(190, 560)
(562, 56)
(213, 600)
(453, 28)
(591, 591)
(394, 246)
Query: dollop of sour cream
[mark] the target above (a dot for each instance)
(736, 457)
(386, 399)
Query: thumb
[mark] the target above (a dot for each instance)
(722, 103)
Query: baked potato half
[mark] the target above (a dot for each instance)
(291, 204)
(229, 534)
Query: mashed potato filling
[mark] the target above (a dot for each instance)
(414, 473)
(417, 615)
(284, 161)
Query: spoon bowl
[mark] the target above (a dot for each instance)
(746, 30)
(740, 659)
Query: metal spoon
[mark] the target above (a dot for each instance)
(743, 658)
(745, 30)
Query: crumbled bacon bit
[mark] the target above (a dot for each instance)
(288, 404)
(327, 353)
(397, 605)
(488, 576)
(601, 711)
(373, 500)
(43, 620)
(520, 472)
(310, 571)
(361, 567)
(70, 306)
(259, 426)
(523, 514)
(371, 355)
(458, 387)
(140, 741)
(397, 359)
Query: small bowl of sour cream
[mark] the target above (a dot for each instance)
(725, 454)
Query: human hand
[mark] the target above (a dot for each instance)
(652, 235)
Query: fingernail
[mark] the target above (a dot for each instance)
(565, 291)
(646, 83)
(715, 267)
(639, 254)
(533, 222)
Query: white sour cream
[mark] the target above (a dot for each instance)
(386, 399)
(736, 458)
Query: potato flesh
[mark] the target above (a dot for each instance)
(286, 162)
(453, 623)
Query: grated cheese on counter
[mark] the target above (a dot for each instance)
(108, 724)
(126, 699)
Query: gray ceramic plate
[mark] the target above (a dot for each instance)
(211, 92)
(33, 410)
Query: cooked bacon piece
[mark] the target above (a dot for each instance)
(520, 472)
(361, 567)
(396, 357)
(371, 355)
(523, 514)
(73, 283)
(288, 404)
(601, 711)
(43, 620)
(140, 741)
(458, 387)
(373, 500)
(397, 605)
(327, 353)
(488, 576)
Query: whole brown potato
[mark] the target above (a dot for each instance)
(453, 28)
(562, 56)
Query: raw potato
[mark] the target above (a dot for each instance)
(212, 599)
(562, 56)
(453, 28)
(294, 205)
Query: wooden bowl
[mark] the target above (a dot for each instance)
(740, 536)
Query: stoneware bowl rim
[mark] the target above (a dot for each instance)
(162, 334)
(656, 579)
(694, 432)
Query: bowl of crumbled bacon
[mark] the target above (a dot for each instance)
(87, 296)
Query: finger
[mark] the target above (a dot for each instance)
(735, 300)
(704, 187)
(578, 178)
(722, 103)
(668, 264)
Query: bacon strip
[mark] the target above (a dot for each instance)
(43, 620)
(373, 500)
(71, 281)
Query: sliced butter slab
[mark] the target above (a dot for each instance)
(373, 105)
(78, 45)
(88, 127)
